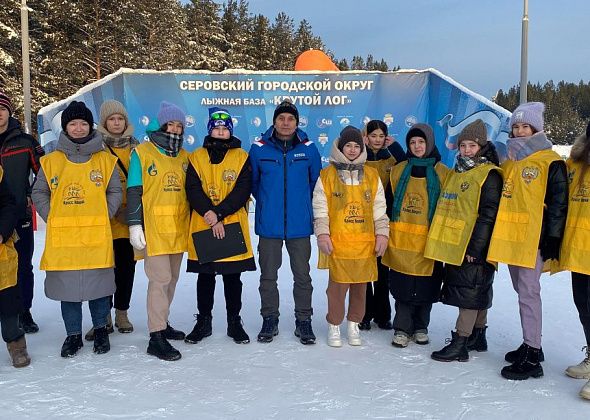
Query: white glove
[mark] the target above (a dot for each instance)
(136, 237)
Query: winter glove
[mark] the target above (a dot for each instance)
(136, 237)
(325, 244)
(550, 248)
(380, 245)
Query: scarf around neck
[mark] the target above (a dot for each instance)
(170, 143)
(465, 163)
(520, 148)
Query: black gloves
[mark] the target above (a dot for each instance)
(550, 248)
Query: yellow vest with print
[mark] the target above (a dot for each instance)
(121, 230)
(407, 236)
(352, 229)
(383, 167)
(217, 182)
(8, 259)
(78, 235)
(456, 214)
(516, 235)
(165, 206)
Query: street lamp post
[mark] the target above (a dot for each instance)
(24, 21)
(524, 53)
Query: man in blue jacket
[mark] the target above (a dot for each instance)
(285, 168)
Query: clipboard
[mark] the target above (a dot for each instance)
(211, 249)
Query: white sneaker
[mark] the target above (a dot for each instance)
(400, 339)
(354, 334)
(582, 369)
(421, 338)
(334, 336)
(585, 391)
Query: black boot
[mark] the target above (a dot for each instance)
(477, 340)
(161, 348)
(235, 330)
(514, 355)
(27, 323)
(526, 366)
(101, 341)
(201, 329)
(455, 350)
(385, 325)
(365, 325)
(304, 331)
(172, 334)
(71, 346)
(270, 328)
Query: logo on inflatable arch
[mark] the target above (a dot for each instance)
(344, 121)
(388, 119)
(189, 120)
(323, 138)
(256, 121)
(323, 122)
(410, 120)
(302, 121)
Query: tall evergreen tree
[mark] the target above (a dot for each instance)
(236, 23)
(206, 36)
(261, 47)
(304, 39)
(282, 32)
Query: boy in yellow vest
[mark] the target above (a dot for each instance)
(351, 225)
(156, 201)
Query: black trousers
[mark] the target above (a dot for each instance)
(377, 305)
(411, 318)
(232, 288)
(24, 248)
(581, 291)
(124, 273)
(11, 331)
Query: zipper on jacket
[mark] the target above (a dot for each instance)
(285, 190)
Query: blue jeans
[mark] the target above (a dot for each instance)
(71, 313)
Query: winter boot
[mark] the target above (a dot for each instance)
(201, 329)
(514, 355)
(304, 331)
(90, 334)
(334, 335)
(270, 328)
(27, 323)
(101, 341)
(582, 369)
(585, 391)
(71, 345)
(365, 325)
(456, 349)
(477, 340)
(172, 334)
(18, 352)
(420, 337)
(354, 335)
(235, 330)
(400, 339)
(122, 322)
(525, 367)
(161, 348)
(385, 325)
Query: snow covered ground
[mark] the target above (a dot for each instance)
(217, 379)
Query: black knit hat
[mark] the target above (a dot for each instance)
(286, 107)
(76, 111)
(350, 134)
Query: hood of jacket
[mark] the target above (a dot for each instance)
(336, 156)
(580, 151)
(80, 152)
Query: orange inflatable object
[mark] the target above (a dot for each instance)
(314, 60)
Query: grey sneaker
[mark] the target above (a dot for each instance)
(400, 339)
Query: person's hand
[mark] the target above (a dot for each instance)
(325, 244)
(218, 230)
(210, 218)
(469, 258)
(550, 248)
(136, 237)
(380, 245)
(389, 140)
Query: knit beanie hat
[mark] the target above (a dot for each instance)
(475, 131)
(530, 113)
(5, 102)
(111, 107)
(170, 112)
(217, 117)
(76, 111)
(286, 107)
(350, 134)
(426, 132)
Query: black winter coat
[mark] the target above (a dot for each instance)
(556, 198)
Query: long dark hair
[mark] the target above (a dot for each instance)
(376, 124)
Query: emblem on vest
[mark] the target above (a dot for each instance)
(73, 194)
(570, 176)
(529, 174)
(464, 186)
(96, 177)
(367, 196)
(213, 193)
(582, 195)
(53, 182)
(353, 213)
(171, 182)
(184, 166)
(152, 170)
(507, 188)
(229, 176)
(337, 194)
(413, 203)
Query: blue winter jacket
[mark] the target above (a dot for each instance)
(283, 180)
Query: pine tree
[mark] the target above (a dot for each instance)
(207, 39)
(305, 39)
(283, 48)
(357, 63)
(261, 48)
(236, 22)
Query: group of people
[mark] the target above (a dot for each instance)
(386, 221)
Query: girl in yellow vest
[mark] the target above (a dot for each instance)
(529, 227)
(460, 236)
(117, 135)
(218, 186)
(76, 192)
(414, 281)
(156, 202)
(575, 248)
(351, 225)
(10, 303)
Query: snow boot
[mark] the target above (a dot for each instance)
(514, 355)
(421, 338)
(122, 322)
(354, 335)
(201, 329)
(18, 352)
(334, 339)
(27, 323)
(90, 334)
(400, 339)
(585, 391)
(101, 341)
(270, 328)
(456, 349)
(304, 331)
(385, 325)
(365, 325)
(525, 367)
(172, 334)
(71, 345)
(235, 330)
(477, 340)
(161, 348)
(582, 369)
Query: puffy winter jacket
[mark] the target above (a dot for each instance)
(283, 179)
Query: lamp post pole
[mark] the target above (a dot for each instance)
(24, 21)
(524, 53)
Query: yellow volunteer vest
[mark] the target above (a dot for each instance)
(407, 236)
(575, 247)
(218, 181)
(456, 214)
(516, 235)
(121, 230)
(78, 229)
(165, 207)
(383, 168)
(8, 259)
(352, 229)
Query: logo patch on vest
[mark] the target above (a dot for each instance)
(353, 213)
(529, 174)
(507, 188)
(464, 186)
(171, 182)
(152, 170)
(74, 194)
(413, 203)
(229, 176)
(53, 182)
(582, 194)
(96, 177)
(213, 193)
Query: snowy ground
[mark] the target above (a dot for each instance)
(286, 380)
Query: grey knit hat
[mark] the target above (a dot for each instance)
(475, 131)
(111, 107)
(426, 132)
(530, 113)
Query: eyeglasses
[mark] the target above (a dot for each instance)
(220, 116)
